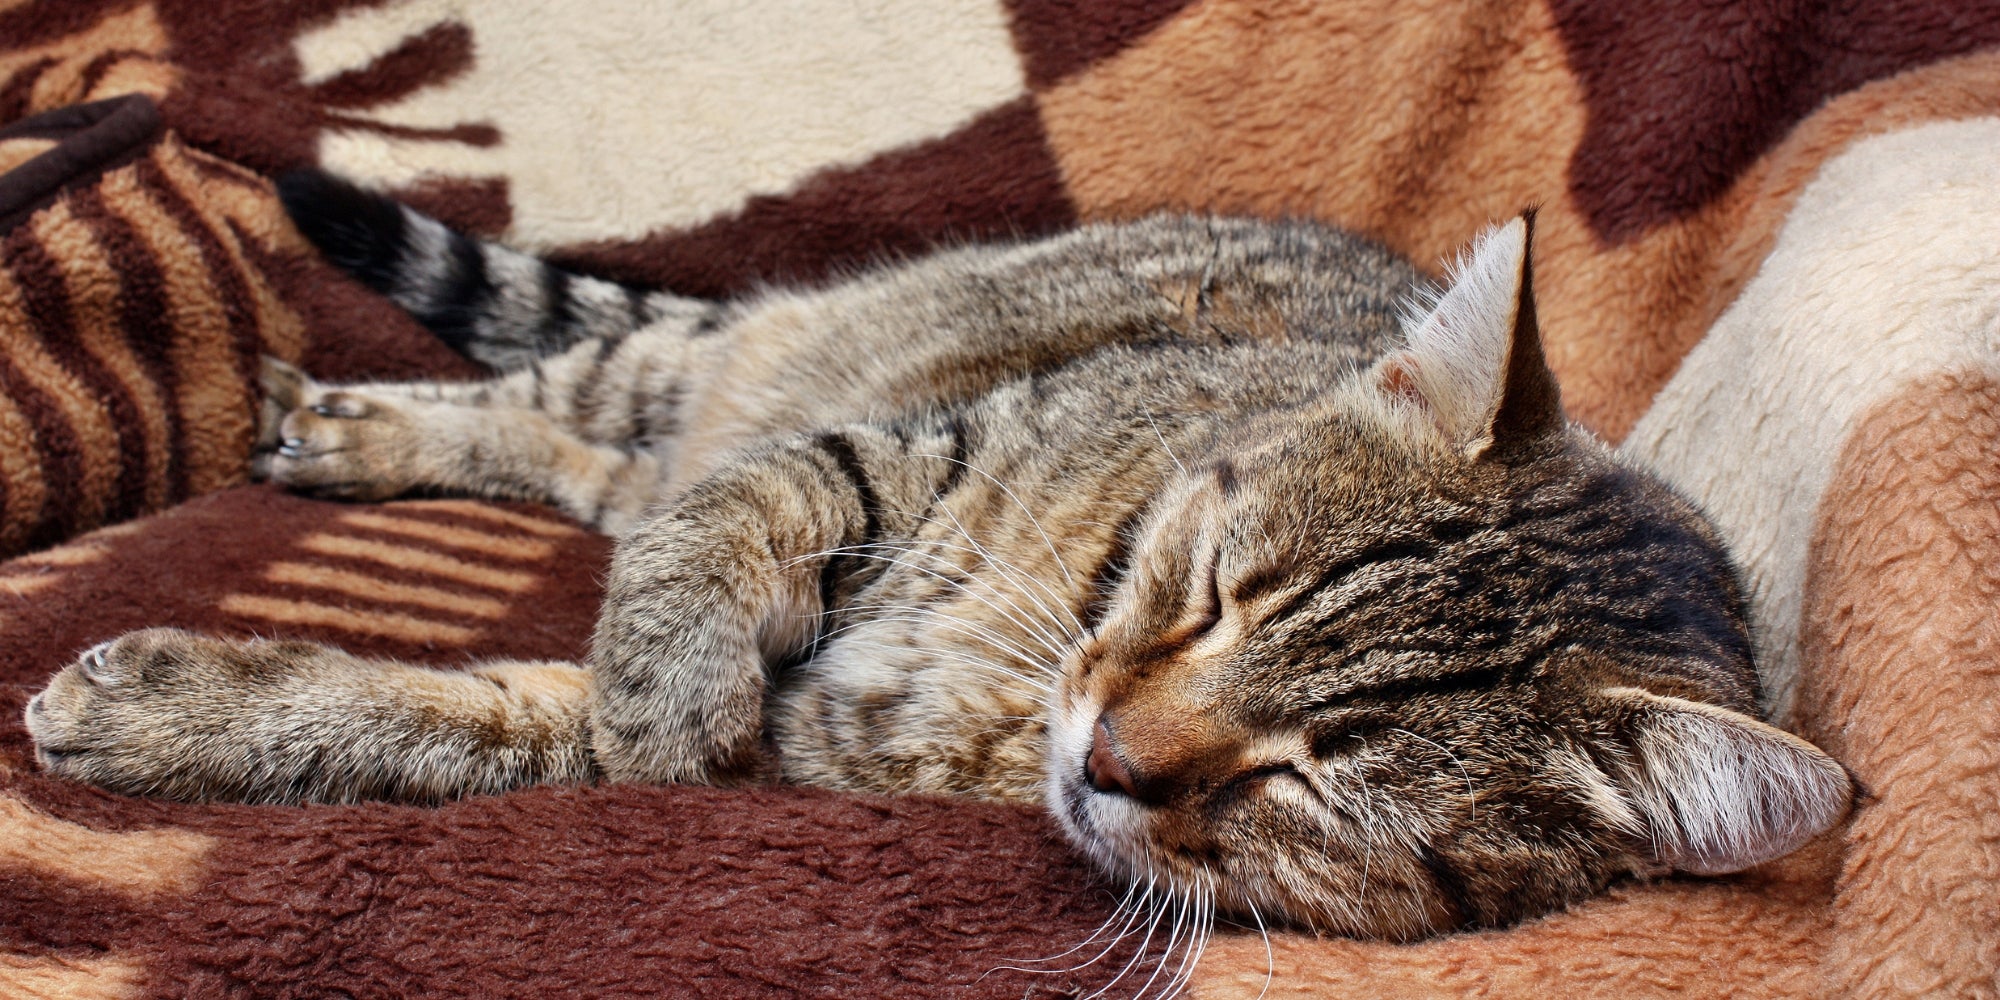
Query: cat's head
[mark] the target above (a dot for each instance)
(1425, 656)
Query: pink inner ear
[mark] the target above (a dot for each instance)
(1398, 382)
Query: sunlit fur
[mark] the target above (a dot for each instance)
(1155, 524)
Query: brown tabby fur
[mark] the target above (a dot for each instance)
(1149, 523)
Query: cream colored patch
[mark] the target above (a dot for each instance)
(555, 681)
(94, 290)
(68, 555)
(34, 573)
(661, 93)
(215, 426)
(417, 560)
(378, 589)
(247, 206)
(1886, 269)
(58, 977)
(73, 401)
(497, 546)
(19, 584)
(486, 512)
(283, 611)
(141, 75)
(1457, 354)
(136, 863)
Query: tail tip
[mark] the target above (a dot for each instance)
(354, 228)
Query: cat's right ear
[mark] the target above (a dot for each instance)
(1473, 362)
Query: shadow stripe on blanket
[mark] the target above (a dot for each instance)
(428, 572)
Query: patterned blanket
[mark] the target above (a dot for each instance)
(1767, 264)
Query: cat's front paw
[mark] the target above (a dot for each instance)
(154, 712)
(341, 443)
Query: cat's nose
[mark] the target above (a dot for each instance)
(1107, 771)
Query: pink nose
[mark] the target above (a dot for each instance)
(1107, 772)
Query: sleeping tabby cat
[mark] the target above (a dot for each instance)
(1154, 524)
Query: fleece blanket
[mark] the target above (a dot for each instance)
(1767, 265)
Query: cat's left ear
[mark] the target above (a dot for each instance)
(1474, 362)
(1717, 791)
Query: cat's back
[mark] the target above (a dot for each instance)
(944, 330)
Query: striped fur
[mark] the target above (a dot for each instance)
(1154, 524)
(496, 305)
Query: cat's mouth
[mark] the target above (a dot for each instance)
(1067, 773)
(1106, 825)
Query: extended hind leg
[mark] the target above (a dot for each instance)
(171, 713)
(373, 443)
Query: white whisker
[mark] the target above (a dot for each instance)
(1471, 797)
(1270, 958)
(996, 609)
(1152, 927)
(1163, 443)
(1016, 616)
(1025, 509)
(1012, 572)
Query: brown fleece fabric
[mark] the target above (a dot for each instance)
(1666, 146)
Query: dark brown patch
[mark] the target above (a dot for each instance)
(1685, 95)
(94, 138)
(1267, 577)
(1059, 37)
(61, 454)
(50, 311)
(1225, 476)
(994, 178)
(241, 96)
(427, 59)
(1111, 570)
(357, 334)
(1449, 883)
(224, 270)
(94, 71)
(1207, 313)
(141, 303)
(20, 87)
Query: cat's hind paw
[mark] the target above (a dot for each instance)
(157, 712)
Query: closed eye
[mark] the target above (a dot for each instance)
(1281, 770)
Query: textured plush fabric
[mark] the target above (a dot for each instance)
(132, 314)
(1766, 264)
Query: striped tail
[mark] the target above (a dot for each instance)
(494, 305)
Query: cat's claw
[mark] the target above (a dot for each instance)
(326, 441)
(100, 715)
(163, 712)
(96, 666)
